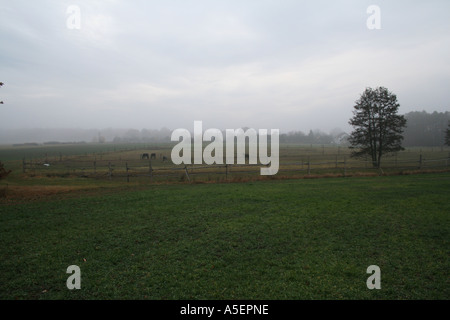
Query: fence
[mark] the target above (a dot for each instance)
(164, 170)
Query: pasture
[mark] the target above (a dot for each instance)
(290, 239)
(124, 163)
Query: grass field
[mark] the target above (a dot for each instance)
(122, 163)
(280, 239)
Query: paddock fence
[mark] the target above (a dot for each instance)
(158, 170)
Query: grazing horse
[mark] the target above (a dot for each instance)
(144, 156)
(153, 156)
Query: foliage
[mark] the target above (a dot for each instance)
(378, 127)
(425, 129)
(3, 171)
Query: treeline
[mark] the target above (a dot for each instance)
(336, 136)
(144, 135)
(425, 129)
(164, 135)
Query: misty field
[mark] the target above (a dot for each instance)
(280, 239)
(122, 163)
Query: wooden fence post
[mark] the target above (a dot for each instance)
(110, 170)
(128, 176)
(23, 165)
(420, 161)
(150, 169)
(309, 166)
(345, 166)
(187, 173)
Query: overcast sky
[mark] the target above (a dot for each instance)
(280, 64)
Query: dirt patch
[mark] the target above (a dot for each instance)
(19, 194)
(39, 192)
(11, 194)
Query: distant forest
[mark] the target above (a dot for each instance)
(423, 130)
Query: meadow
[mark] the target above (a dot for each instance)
(123, 163)
(289, 239)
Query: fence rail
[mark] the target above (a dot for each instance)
(157, 170)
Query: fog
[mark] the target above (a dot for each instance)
(115, 66)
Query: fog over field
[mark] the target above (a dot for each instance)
(108, 67)
(234, 156)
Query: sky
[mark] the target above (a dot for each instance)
(290, 65)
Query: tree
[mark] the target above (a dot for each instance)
(425, 129)
(447, 135)
(377, 126)
(3, 172)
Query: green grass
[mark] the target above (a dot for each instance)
(287, 239)
(54, 152)
(64, 158)
(291, 239)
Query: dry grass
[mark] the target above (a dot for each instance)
(14, 194)
(42, 192)
(39, 191)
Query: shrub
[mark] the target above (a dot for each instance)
(3, 171)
